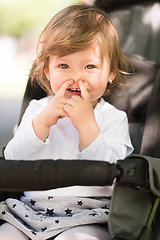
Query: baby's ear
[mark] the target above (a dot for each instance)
(46, 72)
(112, 75)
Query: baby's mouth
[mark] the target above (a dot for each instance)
(74, 89)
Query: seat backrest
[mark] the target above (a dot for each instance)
(138, 25)
(31, 92)
(134, 98)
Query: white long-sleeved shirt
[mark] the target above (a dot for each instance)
(113, 143)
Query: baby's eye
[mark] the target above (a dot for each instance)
(63, 66)
(90, 66)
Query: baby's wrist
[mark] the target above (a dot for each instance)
(88, 134)
(41, 131)
(88, 125)
(41, 120)
(45, 120)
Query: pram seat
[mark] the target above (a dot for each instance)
(129, 177)
(141, 102)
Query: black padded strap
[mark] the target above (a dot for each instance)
(48, 174)
(151, 136)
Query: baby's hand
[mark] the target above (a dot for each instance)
(80, 109)
(55, 108)
(50, 115)
(81, 113)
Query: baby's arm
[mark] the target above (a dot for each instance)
(50, 115)
(35, 127)
(81, 113)
(113, 142)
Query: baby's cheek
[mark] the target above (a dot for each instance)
(54, 90)
(55, 87)
(97, 91)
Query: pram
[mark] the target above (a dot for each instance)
(138, 175)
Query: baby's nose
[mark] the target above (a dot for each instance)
(76, 76)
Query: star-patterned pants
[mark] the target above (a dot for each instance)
(46, 217)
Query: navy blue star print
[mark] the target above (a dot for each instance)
(14, 205)
(93, 214)
(105, 207)
(4, 212)
(32, 202)
(50, 197)
(33, 232)
(68, 211)
(43, 229)
(107, 212)
(79, 203)
(57, 221)
(50, 212)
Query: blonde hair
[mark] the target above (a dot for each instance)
(74, 29)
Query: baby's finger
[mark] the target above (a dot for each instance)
(84, 90)
(73, 100)
(63, 88)
(64, 114)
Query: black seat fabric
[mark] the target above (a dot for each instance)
(138, 25)
(134, 98)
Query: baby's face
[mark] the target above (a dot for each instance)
(84, 65)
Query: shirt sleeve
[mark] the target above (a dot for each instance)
(25, 143)
(113, 143)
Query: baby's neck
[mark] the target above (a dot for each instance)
(94, 103)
